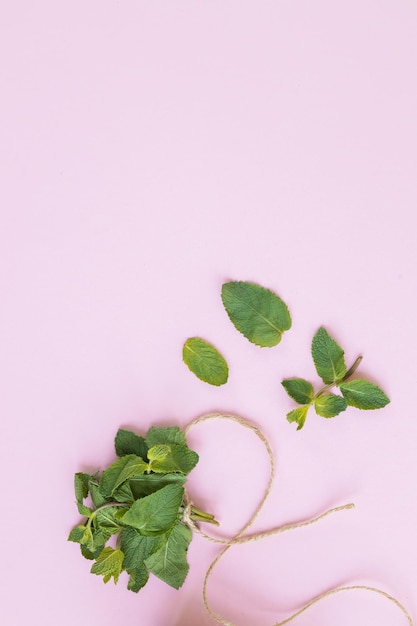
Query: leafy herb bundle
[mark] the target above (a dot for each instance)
(140, 499)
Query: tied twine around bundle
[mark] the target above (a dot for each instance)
(242, 537)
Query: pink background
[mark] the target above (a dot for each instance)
(150, 151)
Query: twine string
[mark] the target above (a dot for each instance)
(242, 536)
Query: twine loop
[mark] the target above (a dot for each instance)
(242, 536)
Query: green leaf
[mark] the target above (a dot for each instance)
(123, 493)
(109, 564)
(169, 563)
(81, 481)
(84, 510)
(165, 434)
(127, 442)
(205, 361)
(91, 555)
(156, 513)
(164, 459)
(77, 534)
(363, 395)
(136, 549)
(107, 518)
(149, 483)
(299, 389)
(328, 357)
(119, 471)
(329, 405)
(97, 498)
(258, 313)
(298, 416)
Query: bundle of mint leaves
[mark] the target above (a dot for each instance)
(139, 499)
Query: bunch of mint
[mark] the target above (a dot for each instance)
(140, 499)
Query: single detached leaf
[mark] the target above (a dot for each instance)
(136, 549)
(109, 564)
(328, 357)
(164, 459)
(205, 361)
(165, 434)
(156, 513)
(298, 416)
(299, 389)
(127, 442)
(329, 405)
(149, 483)
(169, 563)
(363, 395)
(119, 471)
(258, 313)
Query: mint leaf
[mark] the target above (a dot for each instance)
(136, 549)
(119, 471)
(156, 513)
(97, 498)
(169, 563)
(205, 361)
(109, 564)
(329, 405)
(165, 434)
(81, 481)
(164, 459)
(149, 483)
(127, 442)
(328, 357)
(123, 493)
(299, 389)
(258, 313)
(77, 534)
(107, 520)
(298, 416)
(363, 395)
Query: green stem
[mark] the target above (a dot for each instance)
(335, 383)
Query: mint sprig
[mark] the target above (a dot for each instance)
(140, 499)
(329, 361)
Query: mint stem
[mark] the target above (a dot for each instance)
(348, 374)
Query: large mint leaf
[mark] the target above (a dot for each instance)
(258, 313)
(169, 563)
(328, 357)
(363, 395)
(127, 442)
(298, 416)
(165, 458)
(205, 361)
(329, 405)
(109, 564)
(149, 483)
(298, 389)
(136, 549)
(156, 513)
(165, 434)
(119, 471)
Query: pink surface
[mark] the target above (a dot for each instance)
(150, 151)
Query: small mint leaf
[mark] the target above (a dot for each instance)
(298, 389)
(298, 416)
(329, 405)
(205, 361)
(127, 442)
(124, 468)
(328, 357)
(258, 313)
(165, 459)
(363, 395)
(165, 434)
(109, 564)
